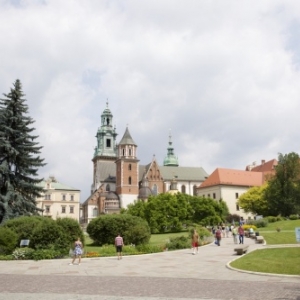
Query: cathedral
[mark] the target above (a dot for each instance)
(119, 179)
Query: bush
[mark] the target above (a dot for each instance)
(294, 217)
(24, 226)
(258, 223)
(23, 253)
(48, 234)
(271, 219)
(46, 254)
(105, 228)
(146, 248)
(247, 227)
(181, 242)
(8, 240)
(73, 230)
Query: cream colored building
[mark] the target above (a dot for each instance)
(59, 200)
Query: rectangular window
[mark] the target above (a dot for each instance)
(71, 209)
(236, 195)
(108, 143)
(63, 197)
(47, 208)
(72, 198)
(214, 195)
(63, 209)
(208, 195)
(237, 207)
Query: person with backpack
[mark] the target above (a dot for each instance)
(218, 236)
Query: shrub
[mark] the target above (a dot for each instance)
(105, 228)
(73, 230)
(247, 227)
(49, 235)
(8, 240)
(23, 253)
(181, 242)
(258, 223)
(6, 257)
(45, 254)
(146, 248)
(294, 217)
(24, 226)
(271, 219)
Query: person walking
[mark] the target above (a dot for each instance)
(218, 235)
(77, 252)
(234, 234)
(241, 234)
(119, 245)
(195, 241)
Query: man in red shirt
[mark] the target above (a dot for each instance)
(119, 245)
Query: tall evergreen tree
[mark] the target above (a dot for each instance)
(19, 160)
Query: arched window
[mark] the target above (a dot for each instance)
(107, 188)
(123, 152)
(183, 189)
(129, 180)
(194, 190)
(129, 152)
(129, 167)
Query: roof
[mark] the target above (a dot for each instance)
(56, 185)
(266, 166)
(127, 139)
(107, 170)
(233, 177)
(183, 173)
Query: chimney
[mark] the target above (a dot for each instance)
(263, 161)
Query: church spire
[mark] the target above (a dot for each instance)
(171, 159)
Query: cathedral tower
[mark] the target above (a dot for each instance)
(106, 150)
(171, 159)
(127, 175)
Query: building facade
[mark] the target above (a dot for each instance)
(119, 179)
(59, 200)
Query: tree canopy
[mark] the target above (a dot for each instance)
(254, 201)
(283, 191)
(169, 213)
(19, 160)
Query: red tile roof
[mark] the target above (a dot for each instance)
(233, 177)
(266, 166)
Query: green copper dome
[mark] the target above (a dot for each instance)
(171, 159)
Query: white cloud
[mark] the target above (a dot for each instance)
(223, 75)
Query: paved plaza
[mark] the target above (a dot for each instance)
(161, 276)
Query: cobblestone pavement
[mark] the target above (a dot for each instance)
(168, 275)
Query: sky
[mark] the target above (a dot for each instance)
(222, 76)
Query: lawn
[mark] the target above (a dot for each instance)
(276, 261)
(161, 239)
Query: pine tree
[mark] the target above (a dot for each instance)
(19, 160)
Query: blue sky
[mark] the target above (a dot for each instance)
(222, 75)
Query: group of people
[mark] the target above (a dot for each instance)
(78, 249)
(237, 233)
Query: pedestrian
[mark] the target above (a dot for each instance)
(227, 230)
(195, 241)
(218, 236)
(234, 234)
(241, 234)
(77, 251)
(119, 245)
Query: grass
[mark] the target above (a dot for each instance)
(283, 225)
(276, 261)
(162, 239)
